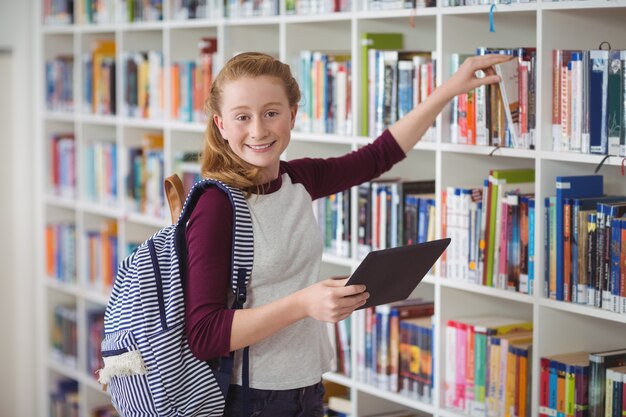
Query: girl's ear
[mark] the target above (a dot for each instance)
(294, 112)
(219, 123)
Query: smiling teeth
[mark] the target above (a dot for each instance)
(259, 147)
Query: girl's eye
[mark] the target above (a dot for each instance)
(272, 113)
(241, 118)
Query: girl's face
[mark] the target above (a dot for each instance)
(256, 121)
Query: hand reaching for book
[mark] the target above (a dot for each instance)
(331, 301)
(466, 78)
(409, 130)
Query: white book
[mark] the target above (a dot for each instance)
(509, 87)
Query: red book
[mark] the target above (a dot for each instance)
(567, 250)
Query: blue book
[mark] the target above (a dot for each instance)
(570, 187)
(598, 112)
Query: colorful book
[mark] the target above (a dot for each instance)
(378, 41)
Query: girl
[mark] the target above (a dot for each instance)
(253, 105)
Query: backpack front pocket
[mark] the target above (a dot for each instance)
(125, 374)
(188, 383)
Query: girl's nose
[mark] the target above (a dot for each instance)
(258, 130)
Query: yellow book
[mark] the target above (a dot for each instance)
(101, 50)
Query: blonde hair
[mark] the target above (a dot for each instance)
(218, 159)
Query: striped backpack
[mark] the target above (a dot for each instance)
(148, 366)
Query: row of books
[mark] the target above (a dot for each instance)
(101, 171)
(187, 167)
(99, 75)
(583, 384)
(191, 82)
(123, 11)
(333, 217)
(95, 334)
(65, 402)
(60, 242)
(584, 246)
(250, 8)
(340, 335)
(498, 115)
(196, 9)
(64, 398)
(398, 81)
(492, 230)
(394, 348)
(145, 171)
(63, 335)
(394, 212)
(391, 212)
(398, 4)
(313, 7)
(59, 74)
(588, 114)
(62, 161)
(454, 3)
(101, 251)
(102, 256)
(488, 366)
(325, 80)
(143, 84)
(57, 12)
(144, 182)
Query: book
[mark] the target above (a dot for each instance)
(509, 88)
(615, 101)
(378, 41)
(598, 91)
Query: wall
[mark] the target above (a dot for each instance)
(18, 300)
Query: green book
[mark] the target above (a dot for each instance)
(499, 178)
(383, 41)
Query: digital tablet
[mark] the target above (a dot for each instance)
(392, 274)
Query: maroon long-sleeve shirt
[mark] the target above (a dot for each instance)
(209, 236)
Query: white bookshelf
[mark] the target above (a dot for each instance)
(558, 327)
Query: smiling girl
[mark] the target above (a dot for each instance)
(253, 105)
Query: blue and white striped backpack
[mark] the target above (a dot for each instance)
(148, 366)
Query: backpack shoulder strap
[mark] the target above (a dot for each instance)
(243, 243)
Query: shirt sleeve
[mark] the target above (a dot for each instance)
(209, 237)
(322, 177)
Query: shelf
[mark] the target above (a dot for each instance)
(488, 291)
(583, 310)
(544, 25)
(396, 398)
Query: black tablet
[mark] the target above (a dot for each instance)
(392, 274)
